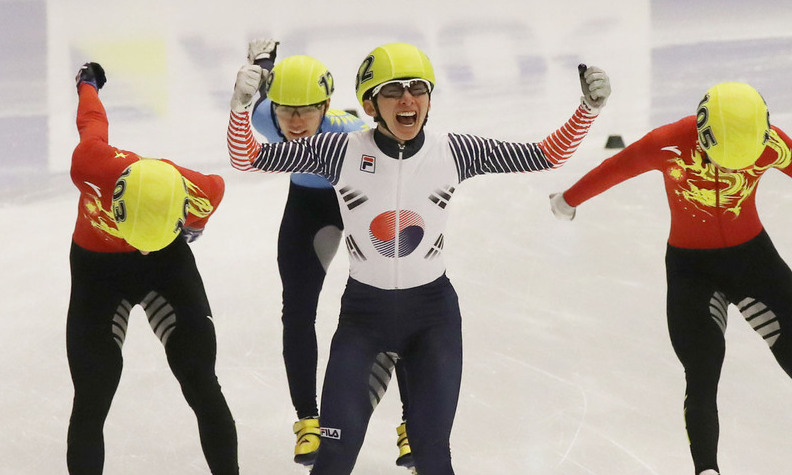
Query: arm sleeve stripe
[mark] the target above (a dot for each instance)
(561, 144)
(242, 146)
(321, 154)
(476, 155)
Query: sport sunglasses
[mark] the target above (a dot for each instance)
(395, 89)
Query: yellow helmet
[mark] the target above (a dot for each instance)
(299, 81)
(392, 61)
(150, 204)
(733, 124)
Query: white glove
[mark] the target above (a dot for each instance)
(261, 49)
(561, 208)
(596, 88)
(248, 80)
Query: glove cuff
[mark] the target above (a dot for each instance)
(589, 109)
(237, 106)
(560, 208)
(264, 61)
(85, 81)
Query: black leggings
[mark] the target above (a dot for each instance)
(105, 287)
(311, 221)
(701, 285)
(423, 326)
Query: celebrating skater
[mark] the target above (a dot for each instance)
(394, 184)
(294, 102)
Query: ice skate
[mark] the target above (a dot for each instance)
(307, 432)
(405, 458)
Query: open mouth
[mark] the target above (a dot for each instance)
(406, 118)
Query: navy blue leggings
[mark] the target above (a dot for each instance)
(302, 275)
(702, 283)
(307, 212)
(423, 326)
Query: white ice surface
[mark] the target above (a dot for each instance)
(568, 368)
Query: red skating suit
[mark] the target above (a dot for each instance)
(96, 166)
(710, 208)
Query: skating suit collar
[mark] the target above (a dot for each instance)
(391, 147)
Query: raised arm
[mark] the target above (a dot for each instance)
(262, 52)
(91, 116)
(94, 157)
(476, 155)
(320, 154)
(561, 144)
(243, 148)
(242, 145)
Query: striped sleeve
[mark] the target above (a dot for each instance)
(561, 144)
(321, 154)
(476, 155)
(243, 148)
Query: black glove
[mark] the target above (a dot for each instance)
(91, 73)
(191, 234)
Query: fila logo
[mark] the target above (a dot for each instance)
(329, 433)
(367, 163)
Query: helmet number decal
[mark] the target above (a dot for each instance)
(119, 208)
(326, 81)
(706, 136)
(365, 73)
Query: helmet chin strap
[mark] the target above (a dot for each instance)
(275, 121)
(378, 118)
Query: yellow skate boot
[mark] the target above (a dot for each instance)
(405, 458)
(307, 432)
